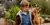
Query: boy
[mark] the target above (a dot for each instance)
(24, 16)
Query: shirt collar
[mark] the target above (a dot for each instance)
(24, 13)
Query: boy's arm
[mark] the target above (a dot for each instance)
(18, 20)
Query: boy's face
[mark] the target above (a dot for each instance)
(25, 7)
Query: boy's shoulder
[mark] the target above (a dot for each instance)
(18, 12)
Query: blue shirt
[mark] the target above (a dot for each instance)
(25, 19)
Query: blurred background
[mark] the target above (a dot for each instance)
(11, 7)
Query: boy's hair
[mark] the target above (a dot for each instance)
(24, 2)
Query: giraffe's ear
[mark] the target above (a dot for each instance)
(33, 9)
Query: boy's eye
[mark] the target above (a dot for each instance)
(24, 5)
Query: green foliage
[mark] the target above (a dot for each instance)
(43, 4)
(11, 13)
(8, 15)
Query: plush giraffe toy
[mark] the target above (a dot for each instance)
(36, 19)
